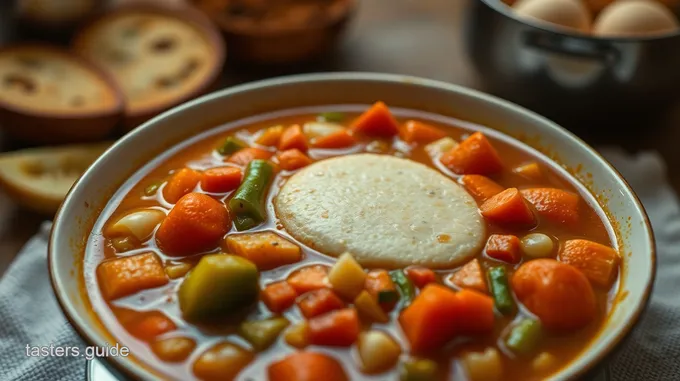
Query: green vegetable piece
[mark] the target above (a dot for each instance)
(500, 290)
(418, 370)
(524, 336)
(231, 145)
(263, 333)
(405, 287)
(218, 287)
(331, 117)
(250, 200)
(388, 296)
(151, 189)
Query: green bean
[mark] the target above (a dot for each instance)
(524, 336)
(500, 290)
(231, 145)
(249, 202)
(405, 287)
(332, 116)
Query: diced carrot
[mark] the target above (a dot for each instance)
(338, 139)
(195, 224)
(507, 207)
(293, 159)
(279, 296)
(598, 262)
(420, 276)
(474, 155)
(556, 205)
(470, 276)
(152, 325)
(376, 121)
(221, 180)
(244, 156)
(125, 276)
(557, 293)
(481, 187)
(181, 183)
(309, 278)
(419, 132)
(270, 137)
(476, 312)
(531, 171)
(267, 250)
(379, 281)
(503, 247)
(317, 302)
(338, 328)
(293, 137)
(306, 366)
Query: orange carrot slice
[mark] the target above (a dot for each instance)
(317, 302)
(278, 296)
(508, 207)
(244, 156)
(309, 278)
(338, 139)
(181, 183)
(270, 137)
(504, 247)
(376, 121)
(474, 155)
(481, 187)
(380, 286)
(420, 276)
(293, 137)
(338, 328)
(267, 250)
(152, 325)
(128, 275)
(531, 171)
(419, 132)
(293, 159)
(598, 262)
(470, 276)
(221, 180)
(554, 204)
(306, 366)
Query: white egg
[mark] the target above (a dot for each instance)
(572, 14)
(635, 18)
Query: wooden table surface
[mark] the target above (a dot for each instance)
(415, 37)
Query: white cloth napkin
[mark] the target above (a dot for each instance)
(29, 314)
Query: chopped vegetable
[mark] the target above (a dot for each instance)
(249, 202)
(278, 296)
(338, 328)
(181, 183)
(338, 139)
(195, 224)
(293, 159)
(223, 361)
(474, 155)
(270, 137)
(544, 362)
(485, 366)
(347, 277)
(140, 224)
(470, 276)
(503, 247)
(298, 335)
(475, 312)
(173, 349)
(554, 204)
(419, 132)
(125, 276)
(420, 276)
(263, 333)
(123, 244)
(557, 293)
(307, 366)
(332, 116)
(508, 207)
(378, 351)
(267, 250)
(219, 287)
(531, 171)
(314, 130)
(405, 287)
(309, 278)
(369, 308)
(380, 286)
(376, 121)
(221, 180)
(537, 245)
(178, 270)
(500, 290)
(481, 187)
(418, 370)
(318, 302)
(152, 189)
(152, 325)
(524, 336)
(231, 145)
(247, 155)
(293, 138)
(440, 146)
(598, 262)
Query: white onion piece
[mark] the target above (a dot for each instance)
(537, 245)
(140, 224)
(313, 130)
(377, 350)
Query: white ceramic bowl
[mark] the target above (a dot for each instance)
(87, 197)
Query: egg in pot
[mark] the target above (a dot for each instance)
(571, 14)
(635, 18)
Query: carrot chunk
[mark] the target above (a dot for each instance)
(474, 155)
(221, 180)
(195, 224)
(598, 262)
(531, 171)
(419, 132)
(420, 276)
(293, 137)
(339, 139)
(470, 276)
(554, 204)
(476, 314)
(507, 207)
(152, 325)
(278, 296)
(380, 286)
(125, 276)
(267, 250)
(306, 366)
(181, 183)
(557, 293)
(309, 278)
(504, 247)
(338, 328)
(270, 137)
(293, 159)
(481, 187)
(376, 121)
(317, 302)
(244, 156)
